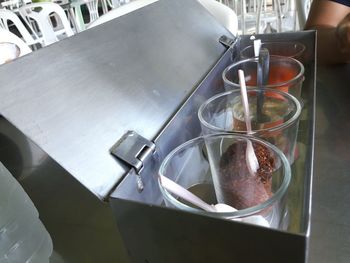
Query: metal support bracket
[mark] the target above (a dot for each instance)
(135, 150)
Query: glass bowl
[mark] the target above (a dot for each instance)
(209, 168)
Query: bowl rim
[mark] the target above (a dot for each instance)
(279, 127)
(298, 77)
(278, 43)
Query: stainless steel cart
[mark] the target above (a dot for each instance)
(93, 116)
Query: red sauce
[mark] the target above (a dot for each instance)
(277, 75)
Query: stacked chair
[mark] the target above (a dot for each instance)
(37, 24)
(40, 17)
(9, 20)
(11, 4)
(92, 6)
(43, 23)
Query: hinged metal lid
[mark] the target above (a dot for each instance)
(77, 98)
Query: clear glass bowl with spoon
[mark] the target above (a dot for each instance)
(214, 168)
(223, 113)
(285, 74)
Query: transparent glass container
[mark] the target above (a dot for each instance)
(274, 116)
(285, 74)
(209, 168)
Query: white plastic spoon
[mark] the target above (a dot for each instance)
(178, 190)
(252, 161)
(257, 46)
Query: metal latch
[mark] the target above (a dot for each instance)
(135, 150)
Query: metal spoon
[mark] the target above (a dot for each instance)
(262, 79)
(264, 61)
(252, 161)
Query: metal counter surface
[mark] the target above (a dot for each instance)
(330, 223)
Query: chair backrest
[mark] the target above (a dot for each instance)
(7, 36)
(113, 3)
(11, 4)
(41, 14)
(225, 15)
(120, 11)
(6, 16)
(230, 3)
(92, 6)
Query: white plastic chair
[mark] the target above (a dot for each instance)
(120, 11)
(11, 4)
(266, 17)
(92, 6)
(113, 4)
(230, 3)
(225, 15)
(41, 14)
(7, 36)
(303, 8)
(7, 16)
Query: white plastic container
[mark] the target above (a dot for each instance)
(23, 237)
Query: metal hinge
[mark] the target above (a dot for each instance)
(135, 150)
(227, 41)
(232, 43)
